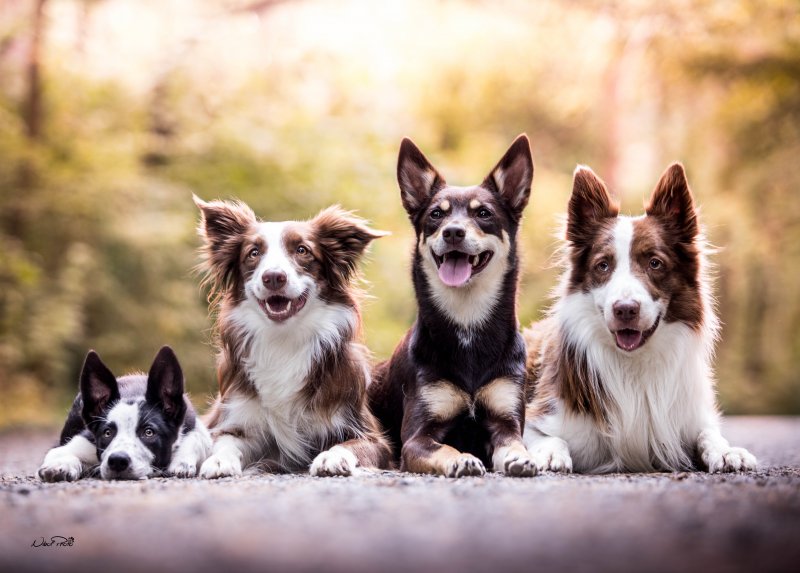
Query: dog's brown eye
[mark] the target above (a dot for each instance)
(149, 433)
(302, 250)
(484, 213)
(107, 434)
(602, 266)
(254, 253)
(437, 214)
(656, 264)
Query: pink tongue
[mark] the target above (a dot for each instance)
(628, 339)
(455, 271)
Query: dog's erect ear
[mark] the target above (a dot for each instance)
(589, 204)
(342, 238)
(513, 175)
(165, 384)
(99, 388)
(418, 179)
(673, 204)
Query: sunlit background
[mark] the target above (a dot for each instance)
(113, 112)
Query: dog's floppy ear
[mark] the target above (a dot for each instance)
(342, 238)
(99, 388)
(513, 175)
(589, 204)
(673, 204)
(221, 219)
(165, 384)
(222, 225)
(418, 179)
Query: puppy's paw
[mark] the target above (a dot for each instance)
(60, 468)
(517, 464)
(729, 460)
(182, 468)
(553, 460)
(338, 461)
(465, 465)
(219, 466)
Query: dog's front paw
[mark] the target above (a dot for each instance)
(553, 460)
(338, 461)
(729, 460)
(61, 468)
(518, 464)
(465, 465)
(219, 466)
(182, 468)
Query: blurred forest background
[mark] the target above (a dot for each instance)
(112, 112)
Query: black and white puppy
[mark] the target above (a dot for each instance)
(131, 427)
(452, 394)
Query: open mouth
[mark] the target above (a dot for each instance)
(279, 308)
(456, 268)
(629, 339)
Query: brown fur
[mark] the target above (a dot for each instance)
(336, 384)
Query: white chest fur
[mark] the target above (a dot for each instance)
(279, 360)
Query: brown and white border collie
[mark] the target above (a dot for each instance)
(622, 368)
(292, 375)
(452, 395)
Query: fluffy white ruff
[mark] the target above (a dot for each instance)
(280, 358)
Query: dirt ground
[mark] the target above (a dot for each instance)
(390, 521)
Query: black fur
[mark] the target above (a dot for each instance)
(433, 349)
(165, 409)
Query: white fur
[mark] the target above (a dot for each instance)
(277, 259)
(624, 285)
(279, 359)
(126, 418)
(660, 397)
(189, 451)
(68, 462)
(473, 303)
(337, 461)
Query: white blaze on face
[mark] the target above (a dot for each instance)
(624, 284)
(277, 259)
(126, 441)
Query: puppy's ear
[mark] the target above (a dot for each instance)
(513, 175)
(673, 204)
(222, 227)
(418, 179)
(589, 205)
(99, 388)
(342, 238)
(165, 384)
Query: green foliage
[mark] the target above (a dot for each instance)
(97, 227)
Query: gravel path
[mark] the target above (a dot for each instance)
(390, 521)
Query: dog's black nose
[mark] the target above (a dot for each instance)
(274, 280)
(454, 234)
(626, 310)
(118, 462)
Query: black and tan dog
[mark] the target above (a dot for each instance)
(452, 393)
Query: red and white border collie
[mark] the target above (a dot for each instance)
(292, 375)
(622, 367)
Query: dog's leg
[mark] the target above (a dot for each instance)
(503, 401)
(550, 453)
(421, 454)
(718, 455)
(192, 451)
(427, 418)
(347, 458)
(227, 457)
(68, 462)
